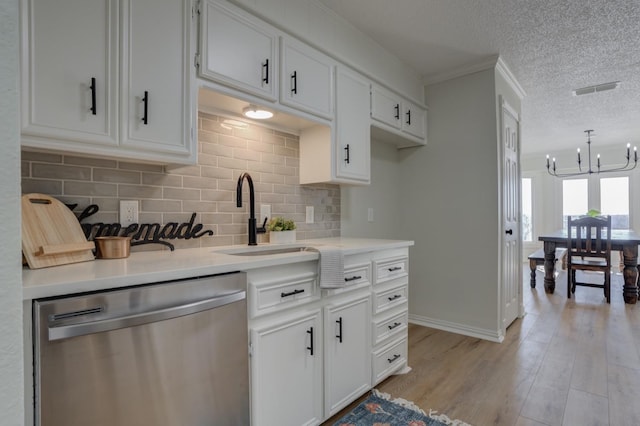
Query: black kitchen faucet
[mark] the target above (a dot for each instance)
(253, 230)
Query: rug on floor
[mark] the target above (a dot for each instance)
(380, 410)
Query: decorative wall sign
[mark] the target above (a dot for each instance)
(142, 233)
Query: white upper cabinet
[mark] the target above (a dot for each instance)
(385, 106)
(69, 59)
(353, 138)
(155, 94)
(413, 119)
(393, 113)
(340, 153)
(238, 50)
(306, 78)
(87, 65)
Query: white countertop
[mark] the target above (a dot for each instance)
(156, 266)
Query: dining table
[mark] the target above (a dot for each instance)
(624, 240)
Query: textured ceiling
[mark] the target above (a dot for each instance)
(552, 47)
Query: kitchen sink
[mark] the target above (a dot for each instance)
(263, 251)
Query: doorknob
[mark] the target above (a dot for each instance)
(509, 231)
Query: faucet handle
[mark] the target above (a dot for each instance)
(263, 228)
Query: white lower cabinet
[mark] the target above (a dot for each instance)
(286, 371)
(315, 351)
(347, 344)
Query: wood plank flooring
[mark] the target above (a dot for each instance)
(567, 362)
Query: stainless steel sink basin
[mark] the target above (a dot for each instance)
(263, 251)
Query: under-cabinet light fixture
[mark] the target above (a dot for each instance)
(257, 113)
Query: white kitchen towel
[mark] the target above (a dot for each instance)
(331, 266)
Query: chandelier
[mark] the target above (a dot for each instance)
(551, 168)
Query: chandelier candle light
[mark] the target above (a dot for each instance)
(552, 169)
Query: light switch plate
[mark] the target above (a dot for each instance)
(370, 214)
(309, 218)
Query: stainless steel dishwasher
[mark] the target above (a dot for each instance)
(168, 354)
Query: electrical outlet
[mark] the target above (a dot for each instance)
(128, 212)
(370, 214)
(309, 218)
(265, 211)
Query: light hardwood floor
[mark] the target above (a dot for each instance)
(567, 362)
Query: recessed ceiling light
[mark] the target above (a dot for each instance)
(597, 88)
(257, 113)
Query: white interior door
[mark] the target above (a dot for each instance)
(511, 286)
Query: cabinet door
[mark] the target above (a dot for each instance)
(238, 50)
(414, 120)
(306, 78)
(286, 371)
(352, 127)
(386, 107)
(155, 96)
(69, 72)
(347, 353)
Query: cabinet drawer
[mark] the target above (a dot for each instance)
(396, 295)
(389, 359)
(357, 274)
(389, 269)
(390, 326)
(267, 297)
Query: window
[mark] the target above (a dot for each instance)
(527, 210)
(608, 195)
(614, 200)
(575, 198)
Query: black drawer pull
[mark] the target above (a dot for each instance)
(394, 325)
(395, 268)
(353, 278)
(310, 348)
(409, 117)
(393, 358)
(291, 293)
(339, 336)
(347, 153)
(265, 68)
(145, 100)
(93, 95)
(397, 115)
(294, 83)
(394, 297)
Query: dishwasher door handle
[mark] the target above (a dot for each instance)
(99, 326)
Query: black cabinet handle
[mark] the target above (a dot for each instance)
(509, 231)
(310, 348)
(393, 358)
(409, 117)
(353, 278)
(294, 83)
(265, 67)
(395, 268)
(394, 325)
(93, 95)
(339, 336)
(394, 297)
(397, 115)
(145, 100)
(291, 293)
(346, 148)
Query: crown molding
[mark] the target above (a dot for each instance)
(506, 73)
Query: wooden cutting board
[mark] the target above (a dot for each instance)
(51, 233)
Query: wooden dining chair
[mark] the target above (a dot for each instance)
(589, 243)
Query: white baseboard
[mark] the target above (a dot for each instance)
(480, 333)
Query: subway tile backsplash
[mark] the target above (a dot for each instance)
(173, 193)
